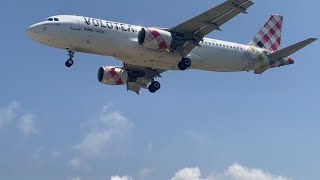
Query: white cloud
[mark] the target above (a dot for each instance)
(234, 172)
(145, 172)
(109, 127)
(94, 142)
(75, 163)
(239, 172)
(74, 178)
(9, 113)
(26, 124)
(188, 174)
(121, 178)
(14, 113)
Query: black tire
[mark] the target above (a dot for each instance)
(182, 66)
(187, 62)
(152, 89)
(69, 63)
(154, 86)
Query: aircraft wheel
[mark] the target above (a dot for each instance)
(187, 61)
(69, 63)
(154, 86)
(184, 64)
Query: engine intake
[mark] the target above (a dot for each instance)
(112, 75)
(155, 39)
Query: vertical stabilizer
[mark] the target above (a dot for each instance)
(269, 37)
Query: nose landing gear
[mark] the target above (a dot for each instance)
(69, 62)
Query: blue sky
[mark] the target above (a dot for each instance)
(59, 123)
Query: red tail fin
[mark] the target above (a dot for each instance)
(269, 37)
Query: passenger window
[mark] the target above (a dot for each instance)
(124, 27)
(56, 19)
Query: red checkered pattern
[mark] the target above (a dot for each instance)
(269, 37)
(155, 35)
(113, 76)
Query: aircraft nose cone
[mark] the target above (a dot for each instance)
(33, 30)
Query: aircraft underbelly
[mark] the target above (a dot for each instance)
(155, 59)
(218, 59)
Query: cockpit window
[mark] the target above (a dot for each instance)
(52, 19)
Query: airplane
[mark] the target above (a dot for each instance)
(147, 52)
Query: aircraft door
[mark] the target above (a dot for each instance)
(76, 25)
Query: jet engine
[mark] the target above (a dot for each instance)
(112, 75)
(155, 39)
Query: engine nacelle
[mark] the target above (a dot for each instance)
(112, 75)
(155, 39)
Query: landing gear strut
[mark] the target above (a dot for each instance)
(184, 64)
(154, 86)
(69, 62)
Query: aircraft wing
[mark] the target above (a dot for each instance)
(192, 31)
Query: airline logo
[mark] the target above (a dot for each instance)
(114, 76)
(155, 35)
(269, 36)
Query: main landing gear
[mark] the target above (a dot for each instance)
(154, 86)
(184, 64)
(69, 62)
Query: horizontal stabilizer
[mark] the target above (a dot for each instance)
(283, 53)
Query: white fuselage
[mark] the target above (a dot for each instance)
(120, 40)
